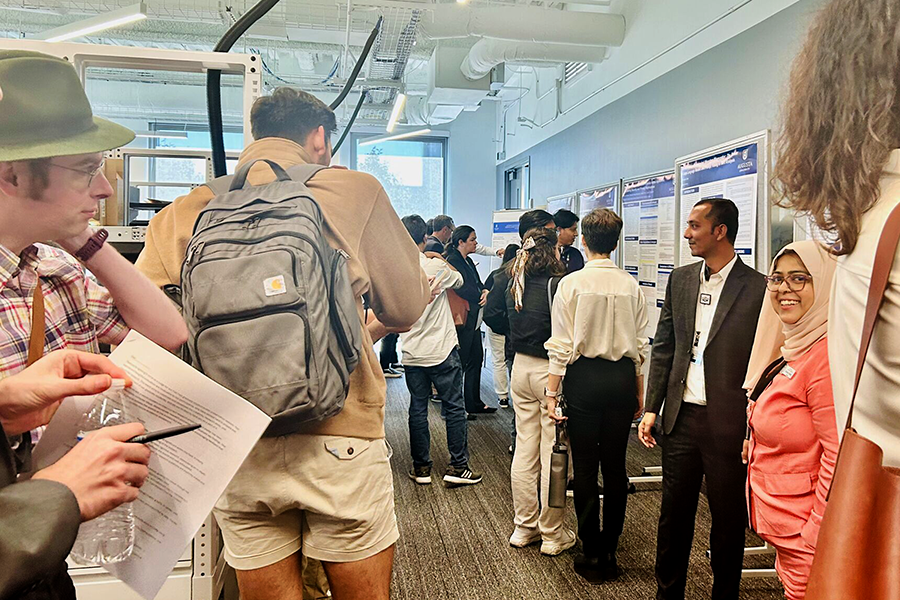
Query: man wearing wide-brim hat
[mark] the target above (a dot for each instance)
(51, 180)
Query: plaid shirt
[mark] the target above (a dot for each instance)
(79, 313)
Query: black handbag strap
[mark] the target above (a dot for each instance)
(767, 378)
(884, 261)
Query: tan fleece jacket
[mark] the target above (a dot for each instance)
(359, 219)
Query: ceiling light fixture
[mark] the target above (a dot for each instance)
(399, 136)
(108, 20)
(395, 114)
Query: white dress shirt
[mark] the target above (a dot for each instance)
(430, 340)
(598, 312)
(707, 302)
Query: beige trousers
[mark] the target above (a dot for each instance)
(535, 434)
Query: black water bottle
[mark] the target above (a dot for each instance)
(559, 471)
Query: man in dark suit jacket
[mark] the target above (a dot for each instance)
(39, 518)
(697, 368)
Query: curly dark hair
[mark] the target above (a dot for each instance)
(290, 114)
(542, 258)
(842, 117)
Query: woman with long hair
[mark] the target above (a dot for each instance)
(598, 345)
(838, 160)
(793, 442)
(534, 276)
(463, 243)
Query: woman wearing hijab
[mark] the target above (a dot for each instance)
(793, 438)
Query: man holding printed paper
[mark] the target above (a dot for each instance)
(39, 518)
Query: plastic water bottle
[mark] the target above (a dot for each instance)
(110, 537)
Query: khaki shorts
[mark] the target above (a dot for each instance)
(330, 496)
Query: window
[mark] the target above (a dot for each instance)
(573, 71)
(413, 172)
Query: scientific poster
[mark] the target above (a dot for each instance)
(566, 201)
(648, 212)
(606, 196)
(730, 174)
(505, 230)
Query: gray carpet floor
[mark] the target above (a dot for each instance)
(454, 542)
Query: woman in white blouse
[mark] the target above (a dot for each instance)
(598, 345)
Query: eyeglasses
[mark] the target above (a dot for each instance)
(795, 281)
(90, 174)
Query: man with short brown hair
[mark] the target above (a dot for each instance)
(327, 489)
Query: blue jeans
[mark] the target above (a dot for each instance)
(448, 380)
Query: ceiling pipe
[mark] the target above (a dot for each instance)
(488, 53)
(523, 24)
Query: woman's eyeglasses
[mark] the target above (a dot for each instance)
(795, 281)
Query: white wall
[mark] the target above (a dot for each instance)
(472, 173)
(660, 37)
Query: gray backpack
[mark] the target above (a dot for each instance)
(267, 300)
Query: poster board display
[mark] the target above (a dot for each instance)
(566, 201)
(805, 228)
(737, 170)
(505, 228)
(604, 196)
(649, 236)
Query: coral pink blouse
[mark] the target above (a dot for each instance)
(793, 448)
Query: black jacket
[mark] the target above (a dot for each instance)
(727, 353)
(530, 327)
(472, 286)
(38, 523)
(571, 257)
(495, 308)
(432, 244)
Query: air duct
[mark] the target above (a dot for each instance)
(488, 53)
(523, 24)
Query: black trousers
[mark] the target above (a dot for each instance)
(471, 353)
(602, 399)
(388, 354)
(691, 451)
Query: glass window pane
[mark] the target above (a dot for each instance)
(411, 171)
(141, 98)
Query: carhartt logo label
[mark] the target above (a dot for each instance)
(275, 286)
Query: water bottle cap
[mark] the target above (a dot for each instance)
(117, 384)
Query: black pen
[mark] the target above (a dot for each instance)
(163, 433)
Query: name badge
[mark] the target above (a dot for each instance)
(705, 299)
(788, 371)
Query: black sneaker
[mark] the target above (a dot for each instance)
(397, 367)
(461, 476)
(504, 402)
(421, 475)
(389, 373)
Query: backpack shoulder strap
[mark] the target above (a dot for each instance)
(552, 284)
(220, 185)
(303, 173)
